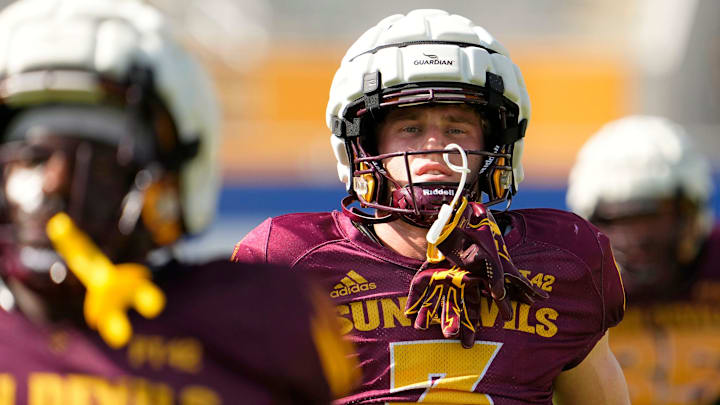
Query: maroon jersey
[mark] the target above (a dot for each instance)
(511, 362)
(229, 334)
(670, 349)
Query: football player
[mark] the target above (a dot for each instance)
(108, 133)
(446, 301)
(642, 181)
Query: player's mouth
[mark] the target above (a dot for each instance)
(432, 171)
(433, 168)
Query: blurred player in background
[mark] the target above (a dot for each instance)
(109, 133)
(445, 303)
(641, 180)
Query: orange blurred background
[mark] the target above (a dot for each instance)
(274, 113)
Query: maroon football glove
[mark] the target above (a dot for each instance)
(482, 266)
(476, 245)
(451, 296)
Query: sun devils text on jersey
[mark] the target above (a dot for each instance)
(512, 362)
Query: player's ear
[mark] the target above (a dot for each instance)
(162, 212)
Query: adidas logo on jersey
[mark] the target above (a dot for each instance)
(350, 284)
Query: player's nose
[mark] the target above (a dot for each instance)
(434, 138)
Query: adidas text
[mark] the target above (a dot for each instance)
(340, 292)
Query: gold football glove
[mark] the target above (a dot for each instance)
(111, 289)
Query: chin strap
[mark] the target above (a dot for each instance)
(111, 289)
(356, 215)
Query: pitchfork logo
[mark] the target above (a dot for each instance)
(433, 59)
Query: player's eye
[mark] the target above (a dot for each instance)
(456, 131)
(410, 129)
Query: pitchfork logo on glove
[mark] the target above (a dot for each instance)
(500, 246)
(481, 265)
(444, 294)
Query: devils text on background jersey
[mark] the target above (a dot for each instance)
(219, 341)
(670, 349)
(512, 362)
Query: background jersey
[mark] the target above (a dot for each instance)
(511, 362)
(229, 334)
(670, 350)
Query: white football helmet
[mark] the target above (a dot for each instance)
(426, 56)
(120, 53)
(640, 158)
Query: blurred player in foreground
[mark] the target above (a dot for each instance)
(445, 303)
(109, 135)
(642, 181)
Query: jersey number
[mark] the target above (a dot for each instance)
(448, 372)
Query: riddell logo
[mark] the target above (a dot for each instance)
(350, 284)
(438, 191)
(489, 161)
(433, 60)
